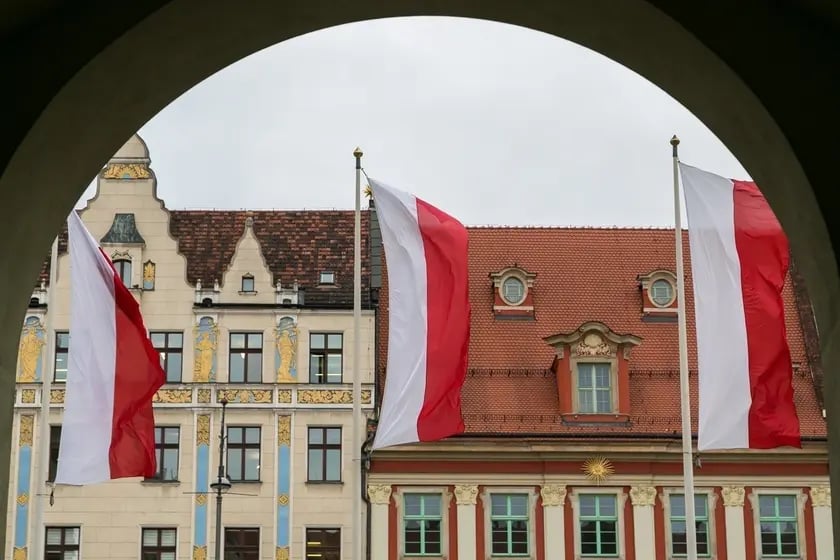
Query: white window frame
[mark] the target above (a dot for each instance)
(662, 278)
(532, 494)
(612, 361)
(445, 501)
(801, 498)
(620, 500)
(508, 302)
(711, 504)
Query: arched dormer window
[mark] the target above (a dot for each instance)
(513, 293)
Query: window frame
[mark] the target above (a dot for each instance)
(165, 350)
(243, 448)
(599, 519)
(621, 499)
(162, 445)
(330, 274)
(306, 539)
(227, 528)
(324, 447)
(248, 351)
(53, 448)
(159, 549)
(612, 362)
(671, 286)
(532, 494)
(510, 302)
(325, 352)
(248, 278)
(445, 504)
(800, 499)
(119, 267)
(63, 547)
(404, 518)
(712, 498)
(59, 349)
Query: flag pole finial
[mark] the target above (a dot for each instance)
(357, 153)
(675, 142)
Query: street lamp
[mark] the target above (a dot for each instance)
(222, 484)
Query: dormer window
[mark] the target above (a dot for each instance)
(659, 296)
(513, 290)
(327, 277)
(123, 268)
(594, 388)
(248, 283)
(513, 296)
(662, 293)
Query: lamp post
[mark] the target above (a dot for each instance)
(222, 484)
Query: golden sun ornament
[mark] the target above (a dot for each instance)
(368, 191)
(597, 469)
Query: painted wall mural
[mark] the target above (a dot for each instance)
(284, 477)
(206, 342)
(202, 481)
(149, 275)
(285, 350)
(24, 476)
(32, 341)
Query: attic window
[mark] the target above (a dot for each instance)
(248, 283)
(327, 277)
(662, 293)
(123, 268)
(513, 290)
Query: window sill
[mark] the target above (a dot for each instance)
(325, 482)
(248, 293)
(586, 418)
(245, 481)
(157, 482)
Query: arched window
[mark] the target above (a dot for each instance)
(123, 267)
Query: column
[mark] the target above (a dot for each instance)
(284, 485)
(20, 537)
(554, 530)
(202, 481)
(733, 503)
(643, 498)
(821, 502)
(465, 499)
(380, 499)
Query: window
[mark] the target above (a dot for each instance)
(779, 532)
(55, 440)
(327, 277)
(246, 357)
(62, 543)
(243, 453)
(679, 546)
(598, 525)
(513, 290)
(166, 452)
(62, 344)
(324, 449)
(323, 544)
(247, 283)
(509, 524)
(422, 524)
(158, 544)
(594, 388)
(242, 543)
(170, 347)
(123, 267)
(325, 357)
(661, 293)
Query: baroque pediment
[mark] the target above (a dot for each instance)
(592, 339)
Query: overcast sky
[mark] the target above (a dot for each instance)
(495, 124)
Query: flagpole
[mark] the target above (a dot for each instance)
(41, 493)
(357, 351)
(685, 403)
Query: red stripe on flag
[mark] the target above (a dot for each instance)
(448, 322)
(764, 256)
(138, 377)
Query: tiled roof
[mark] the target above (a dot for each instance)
(582, 275)
(297, 245)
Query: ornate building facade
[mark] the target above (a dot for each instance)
(254, 308)
(572, 447)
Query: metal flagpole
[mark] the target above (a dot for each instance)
(685, 404)
(41, 489)
(357, 377)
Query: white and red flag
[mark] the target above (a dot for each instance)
(428, 319)
(739, 261)
(113, 372)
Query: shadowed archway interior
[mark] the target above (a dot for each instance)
(80, 80)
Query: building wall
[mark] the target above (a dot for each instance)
(644, 516)
(282, 504)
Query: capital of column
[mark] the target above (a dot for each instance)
(553, 495)
(821, 496)
(466, 494)
(733, 496)
(379, 494)
(643, 495)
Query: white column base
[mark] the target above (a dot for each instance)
(823, 533)
(466, 532)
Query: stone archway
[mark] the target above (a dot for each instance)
(80, 80)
